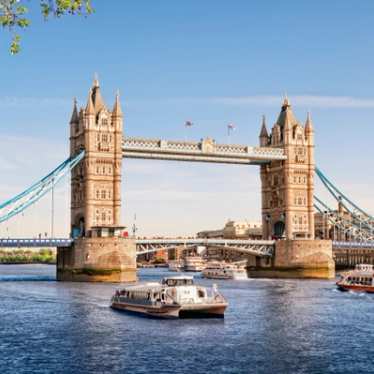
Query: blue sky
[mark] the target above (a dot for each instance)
(213, 62)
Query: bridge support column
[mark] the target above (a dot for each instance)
(298, 259)
(105, 259)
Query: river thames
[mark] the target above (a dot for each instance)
(271, 326)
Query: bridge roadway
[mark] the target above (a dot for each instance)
(254, 247)
(262, 248)
(207, 150)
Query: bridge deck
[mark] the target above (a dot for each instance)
(204, 151)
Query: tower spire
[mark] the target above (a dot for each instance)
(264, 131)
(74, 116)
(308, 123)
(117, 111)
(90, 107)
(96, 80)
(97, 100)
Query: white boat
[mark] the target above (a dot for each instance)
(222, 270)
(176, 297)
(194, 263)
(175, 265)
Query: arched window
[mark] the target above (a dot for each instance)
(97, 194)
(103, 194)
(103, 216)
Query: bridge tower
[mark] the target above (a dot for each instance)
(287, 199)
(99, 252)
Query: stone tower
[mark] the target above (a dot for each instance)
(287, 203)
(288, 186)
(100, 251)
(96, 183)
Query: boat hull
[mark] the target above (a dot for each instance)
(355, 287)
(174, 311)
(163, 311)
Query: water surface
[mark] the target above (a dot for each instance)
(271, 326)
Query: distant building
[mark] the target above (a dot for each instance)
(234, 230)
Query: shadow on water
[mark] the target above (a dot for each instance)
(27, 278)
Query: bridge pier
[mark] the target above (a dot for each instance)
(98, 259)
(298, 259)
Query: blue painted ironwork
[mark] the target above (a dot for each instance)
(359, 225)
(22, 201)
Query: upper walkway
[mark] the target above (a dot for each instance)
(207, 150)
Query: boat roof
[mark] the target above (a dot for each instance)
(179, 277)
(143, 286)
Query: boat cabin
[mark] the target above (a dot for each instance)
(177, 281)
(364, 268)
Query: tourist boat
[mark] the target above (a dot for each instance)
(175, 265)
(359, 279)
(223, 270)
(194, 263)
(176, 297)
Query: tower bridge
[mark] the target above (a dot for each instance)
(97, 249)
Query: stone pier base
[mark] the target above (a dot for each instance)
(298, 259)
(111, 259)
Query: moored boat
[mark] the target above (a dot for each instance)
(175, 265)
(223, 270)
(194, 263)
(176, 297)
(359, 279)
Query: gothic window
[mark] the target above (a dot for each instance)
(103, 194)
(97, 194)
(109, 194)
(97, 170)
(275, 180)
(76, 127)
(105, 122)
(300, 220)
(98, 137)
(104, 170)
(300, 201)
(103, 216)
(105, 138)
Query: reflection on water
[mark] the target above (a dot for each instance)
(271, 326)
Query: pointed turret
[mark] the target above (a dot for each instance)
(117, 111)
(74, 116)
(97, 100)
(264, 136)
(286, 117)
(90, 107)
(308, 124)
(264, 131)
